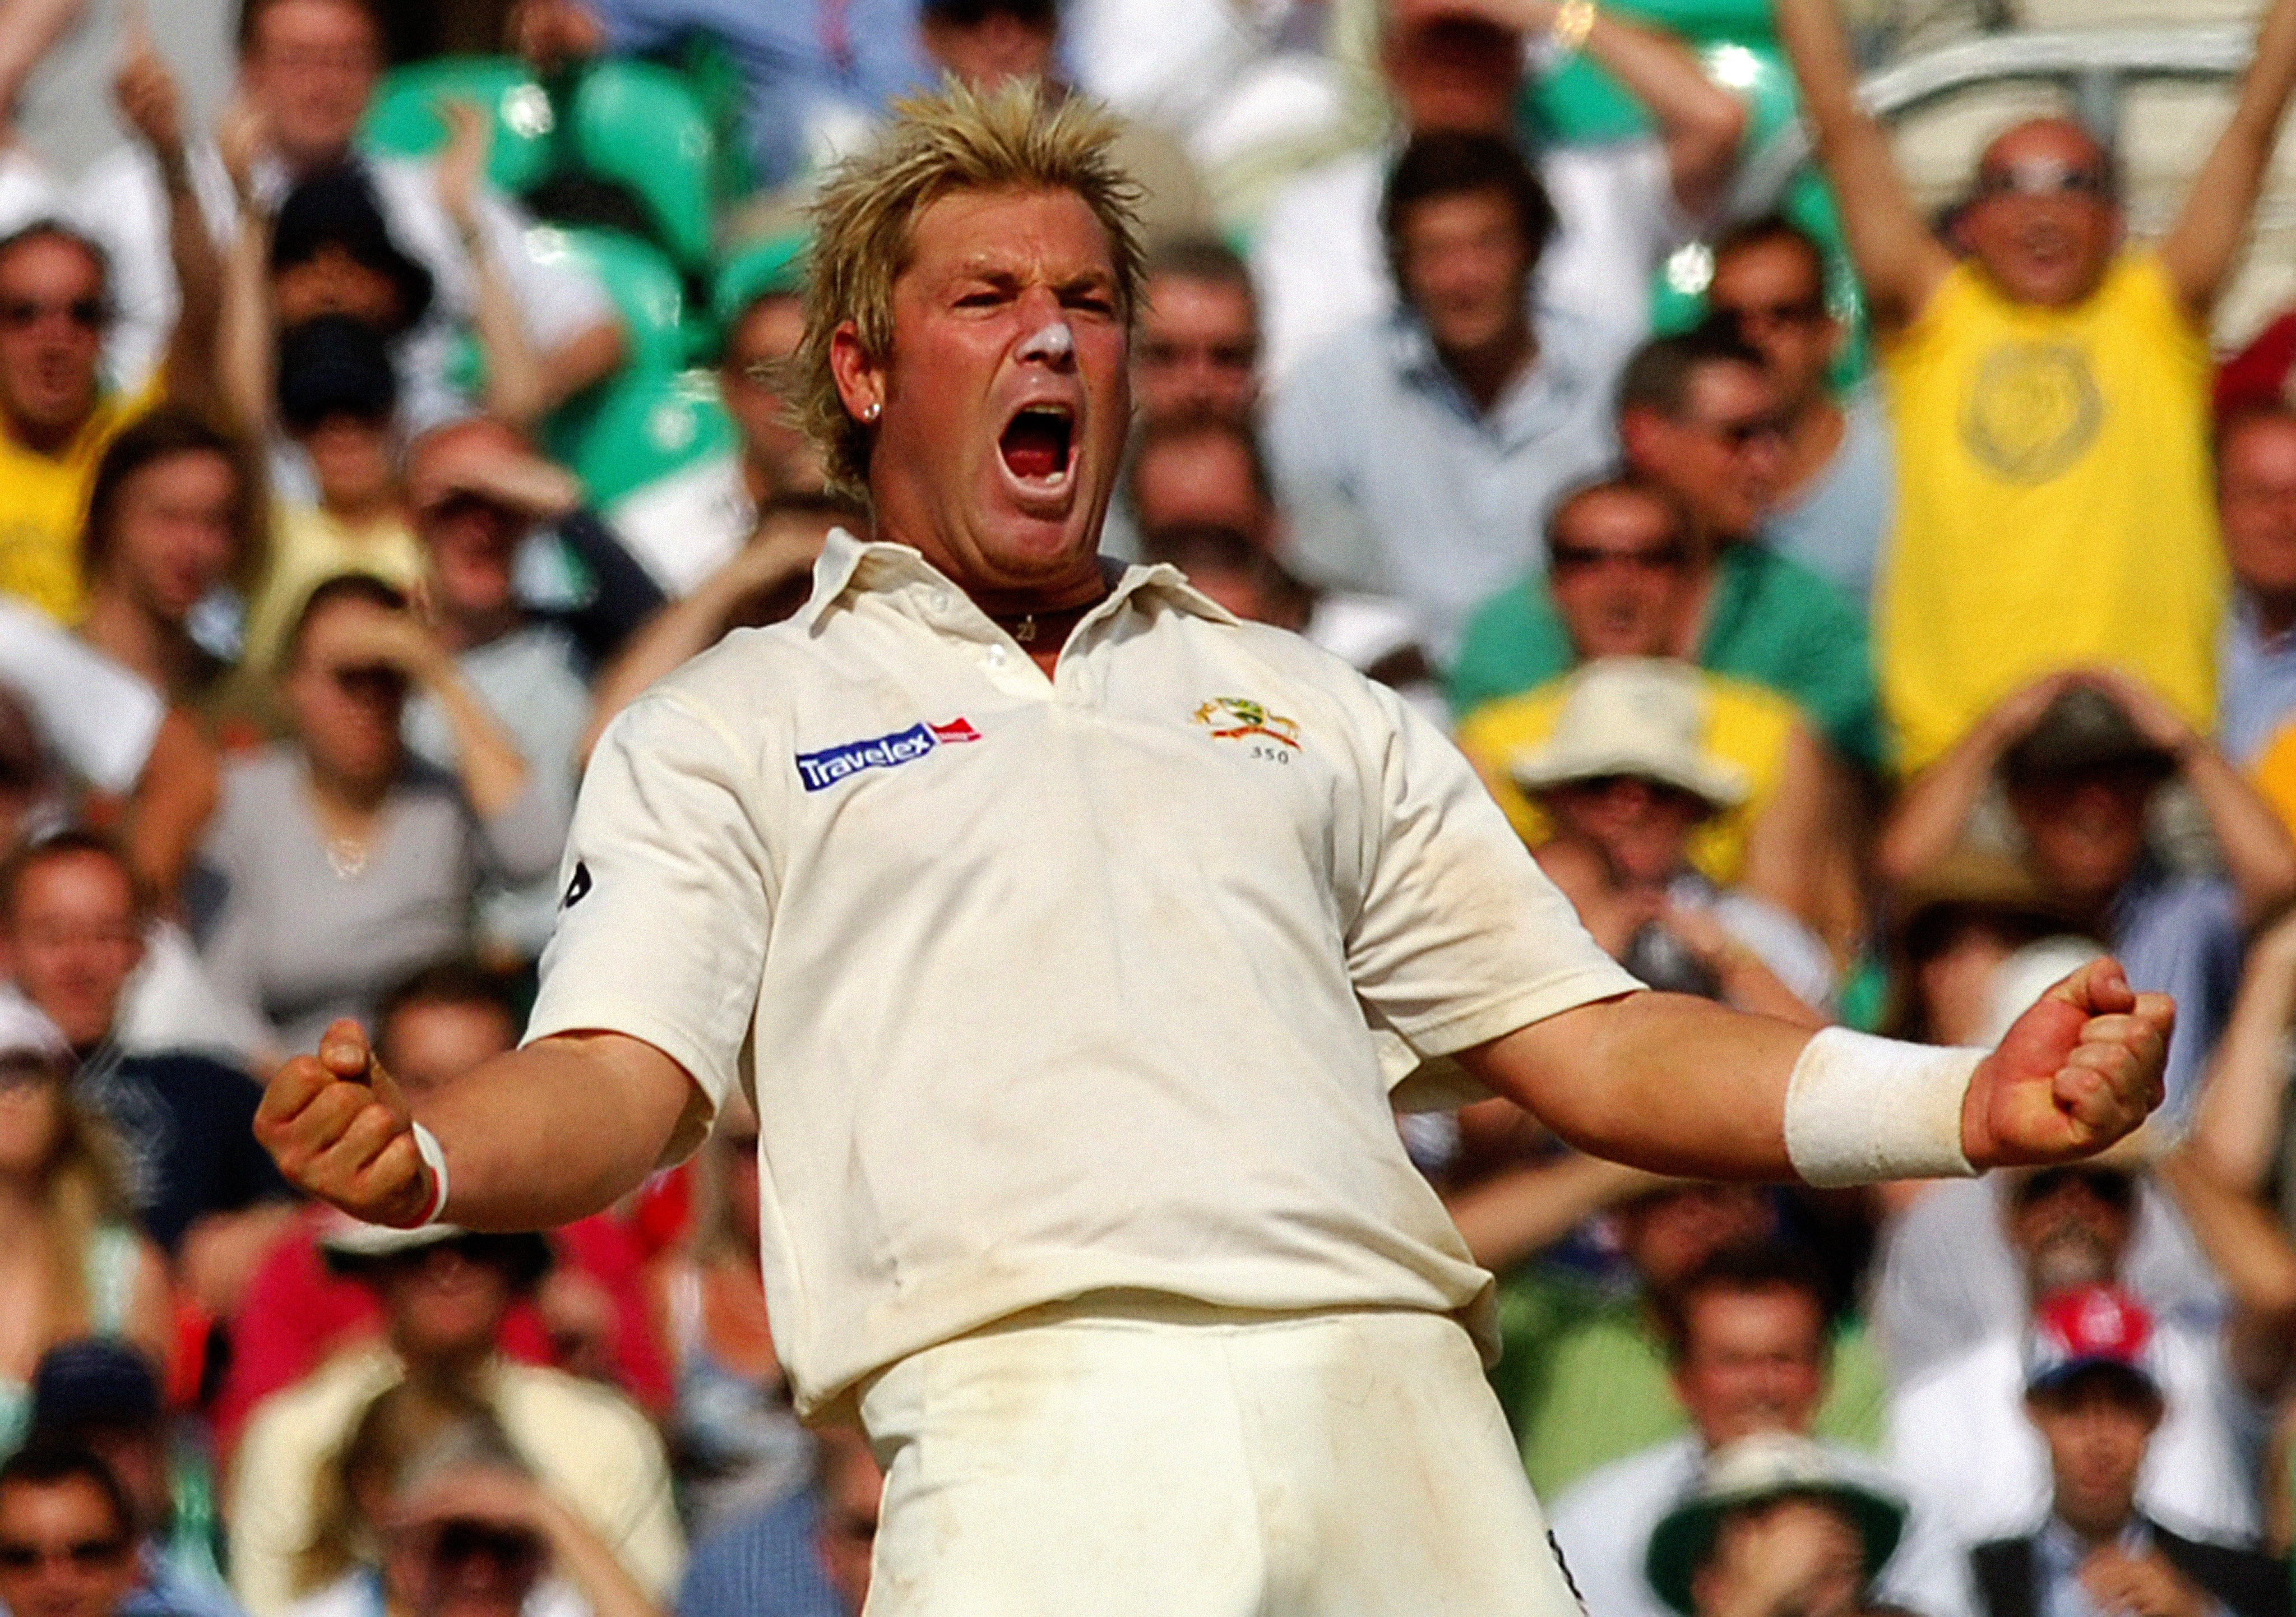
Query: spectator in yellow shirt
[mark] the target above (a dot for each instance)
(55, 302)
(2050, 399)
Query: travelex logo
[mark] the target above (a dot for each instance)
(824, 770)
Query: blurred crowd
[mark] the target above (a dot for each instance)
(1885, 698)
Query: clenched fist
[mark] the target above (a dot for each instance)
(2078, 1071)
(341, 1130)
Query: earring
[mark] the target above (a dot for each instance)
(870, 411)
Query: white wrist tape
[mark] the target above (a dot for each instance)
(1861, 1109)
(434, 1157)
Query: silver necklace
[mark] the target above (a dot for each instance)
(346, 856)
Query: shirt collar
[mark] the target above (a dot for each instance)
(851, 565)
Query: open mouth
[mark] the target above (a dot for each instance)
(1038, 444)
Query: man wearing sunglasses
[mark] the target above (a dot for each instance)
(56, 416)
(2050, 397)
(66, 1542)
(1835, 484)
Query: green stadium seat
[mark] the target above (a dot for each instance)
(641, 125)
(641, 426)
(404, 120)
(646, 288)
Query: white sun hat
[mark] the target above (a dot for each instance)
(1643, 716)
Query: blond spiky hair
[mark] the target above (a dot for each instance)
(1018, 137)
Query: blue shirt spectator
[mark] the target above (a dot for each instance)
(816, 75)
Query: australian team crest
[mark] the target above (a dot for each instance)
(1241, 719)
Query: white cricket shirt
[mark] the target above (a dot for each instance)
(1048, 987)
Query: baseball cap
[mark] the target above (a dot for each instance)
(2088, 1328)
(351, 1246)
(1643, 716)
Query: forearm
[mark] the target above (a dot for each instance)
(1612, 1080)
(1935, 807)
(191, 368)
(604, 1584)
(28, 30)
(2237, 1127)
(1701, 123)
(514, 387)
(2258, 853)
(2207, 239)
(580, 362)
(555, 1131)
(168, 811)
(1518, 1211)
(486, 759)
(1897, 259)
(2250, 1254)
(244, 340)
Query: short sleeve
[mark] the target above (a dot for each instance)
(662, 926)
(100, 717)
(1459, 936)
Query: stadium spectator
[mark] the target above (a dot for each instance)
(1585, 1375)
(67, 1536)
(1958, 1432)
(476, 490)
(172, 520)
(1198, 348)
(429, 1510)
(1836, 490)
(1775, 1528)
(1458, 65)
(2256, 506)
(343, 863)
(1199, 485)
(590, 1312)
(2093, 1393)
(102, 1397)
(1954, 926)
(1620, 572)
(806, 1555)
(1699, 416)
(445, 1293)
(1419, 449)
(1749, 1338)
(59, 294)
(987, 43)
(2052, 388)
(1375, 636)
(338, 400)
(329, 251)
(686, 526)
(71, 1264)
(75, 725)
(815, 74)
(73, 932)
(307, 77)
(740, 1447)
(1624, 781)
(2080, 758)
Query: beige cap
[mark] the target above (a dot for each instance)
(1640, 715)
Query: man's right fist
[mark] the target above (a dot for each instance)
(340, 1131)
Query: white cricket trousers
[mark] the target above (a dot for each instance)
(1149, 1457)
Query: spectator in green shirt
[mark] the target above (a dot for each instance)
(1699, 415)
